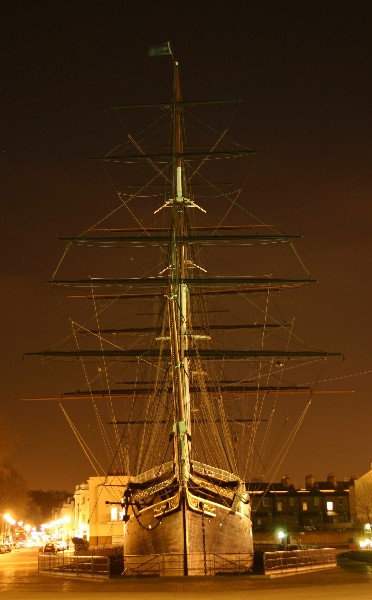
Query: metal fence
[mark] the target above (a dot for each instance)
(172, 564)
(199, 564)
(156, 565)
(298, 560)
(79, 566)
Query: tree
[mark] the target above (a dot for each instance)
(13, 492)
(36, 506)
(13, 489)
(8, 439)
(363, 497)
(48, 501)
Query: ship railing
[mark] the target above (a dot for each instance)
(213, 472)
(168, 467)
(153, 473)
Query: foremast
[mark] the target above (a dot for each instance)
(178, 300)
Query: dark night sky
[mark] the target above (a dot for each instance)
(305, 69)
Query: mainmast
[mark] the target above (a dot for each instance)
(178, 298)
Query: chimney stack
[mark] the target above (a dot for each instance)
(309, 481)
(331, 479)
(286, 481)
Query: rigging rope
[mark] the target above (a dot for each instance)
(105, 439)
(109, 400)
(93, 460)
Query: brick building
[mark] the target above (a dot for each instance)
(320, 505)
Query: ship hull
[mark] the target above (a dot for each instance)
(185, 541)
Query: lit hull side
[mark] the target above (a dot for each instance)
(215, 537)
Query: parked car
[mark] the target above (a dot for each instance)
(61, 546)
(49, 548)
(2, 549)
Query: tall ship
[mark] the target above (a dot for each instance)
(181, 360)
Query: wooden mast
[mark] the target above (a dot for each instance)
(178, 315)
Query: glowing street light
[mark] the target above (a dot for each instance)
(282, 536)
(9, 519)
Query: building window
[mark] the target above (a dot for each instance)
(279, 506)
(291, 502)
(329, 505)
(316, 501)
(265, 502)
(304, 506)
(114, 513)
(340, 501)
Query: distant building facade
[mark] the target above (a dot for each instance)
(319, 505)
(97, 512)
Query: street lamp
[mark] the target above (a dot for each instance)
(9, 522)
(282, 536)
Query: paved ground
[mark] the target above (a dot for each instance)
(340, 592)
(19, 579)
